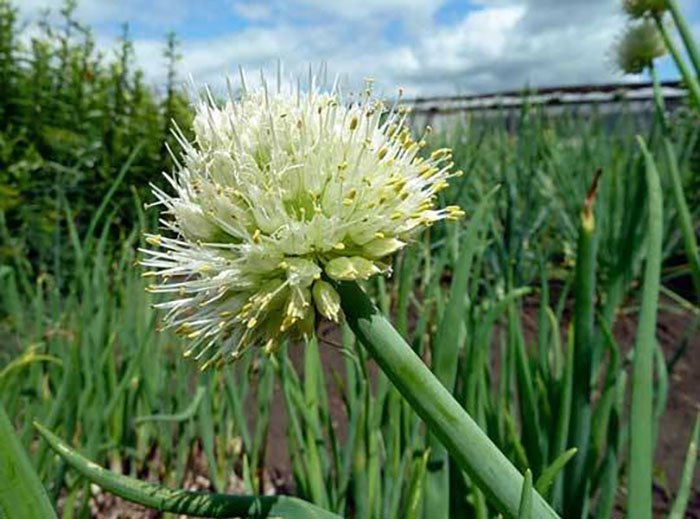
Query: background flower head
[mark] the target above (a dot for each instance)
(639, 46)
(640, 8)
(281, 188)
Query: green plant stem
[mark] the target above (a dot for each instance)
(468, 445)
(685, 218)
(689, 78)
(198, 504)
(577, 479)
(21, 491)
(641, 451)
(659, 104)
(686, 35)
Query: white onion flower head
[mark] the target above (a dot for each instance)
(282, 191)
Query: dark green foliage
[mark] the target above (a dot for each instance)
(70, 117)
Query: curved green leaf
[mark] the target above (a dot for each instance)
(681, 502)
(177, 417)
(546, 479)
(198, 504)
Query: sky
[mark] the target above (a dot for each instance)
(426, 47)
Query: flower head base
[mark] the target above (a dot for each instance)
(640, 8)
(280, 189)
(639, 47)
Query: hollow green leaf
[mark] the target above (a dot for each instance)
(641, 455)
(681, 502)
(198, 504)
(546, 479)
(525, 509)
(576, 476)
(185, 414)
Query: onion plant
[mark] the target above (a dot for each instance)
(280, 268)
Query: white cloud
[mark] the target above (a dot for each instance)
(374, 8)
(499, 44)
(252, 11)
(502, 45)
(435, 59)
(480, 37)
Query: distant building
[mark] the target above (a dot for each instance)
(608, 101)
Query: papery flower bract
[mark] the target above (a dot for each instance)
(639, 47)
(279, 188)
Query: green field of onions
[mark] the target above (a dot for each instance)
(573, 225)
(89, 364)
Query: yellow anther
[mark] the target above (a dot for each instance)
(350, 198)
(439, 186)
(154, 240)
(440, 153)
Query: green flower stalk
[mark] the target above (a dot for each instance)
(280, 188)
(467, 444)
(686, 34)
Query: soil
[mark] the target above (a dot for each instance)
(673, 331)
(682, 408)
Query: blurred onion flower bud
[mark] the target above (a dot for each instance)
(639, 46)
(280, 189)
(640, 8)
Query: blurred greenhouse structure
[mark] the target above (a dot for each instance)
(608, 101)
